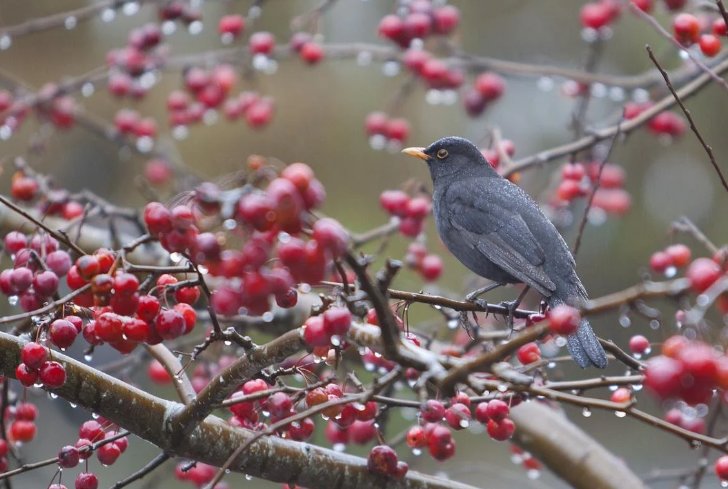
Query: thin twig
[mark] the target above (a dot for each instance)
(693, 127)
(148, 468)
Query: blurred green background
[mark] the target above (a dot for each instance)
(319, 120)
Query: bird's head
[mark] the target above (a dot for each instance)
(452, 157)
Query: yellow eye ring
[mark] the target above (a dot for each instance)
(442, 154)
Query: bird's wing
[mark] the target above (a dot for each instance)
(499, 233)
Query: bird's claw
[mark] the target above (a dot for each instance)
(510, 307)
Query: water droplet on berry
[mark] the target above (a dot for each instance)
(95, 415)
(210, 117)
(13, 300)
(390, 68)
(73, 405)
(5, 132)
(5, 42)
(175, 257)
(560, 341)
(616, 94)
(260, 61)
(364, 58)
(589, 35)
(684, 55)
(670, 271)
(377, 142)
(304, 288)
(195, 27)
(598, 90)
(502, 387)
(268, 317)
(464, 423)
(453, 323)
(723, 483)
(416, 452)
(87, 89)
(227, 38)
(168, 27)
(433, 97)
(70, 22)
(533, 474)
(130, 8)
(545, 84)
(586, 412)
(625, 321)
(369, 366)
(144, 144)
(108, 14)
(180, 132)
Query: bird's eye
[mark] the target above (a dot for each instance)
(442, 154)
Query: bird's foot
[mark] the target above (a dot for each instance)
(471, 326)
(511, 307)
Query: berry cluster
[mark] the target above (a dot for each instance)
(141, 54)
(197, 473)
(578, 179)
(488, 87)
(382, 130)
(418, 21)
(687, 369)
(22, 427)
(35, 367)
(37, 266)
(674, 256)
(383, 461)
(689, 29)
(328, 328)
(412, 211)
(428, 265)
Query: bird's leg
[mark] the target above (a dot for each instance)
(473, 296)
(513, 305)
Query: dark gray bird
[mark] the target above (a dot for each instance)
(496, 230)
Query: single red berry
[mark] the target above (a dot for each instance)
(490, 86)
(391, 27)
(311, 52)
(382, 460)
(394, 202)
(564, 319)
(398, 129)
(62, 333)
(719, 27)
(336, 321)
(376, 123)
(702, 273)
(87, 480)
(501, 430)
(621, 395)
(68, 457)
(595, 15)
(314, 333)
(33, 355)
(84, 448)
(431, 267)
(686, 28)
(660, 261)
(158, 374)
(261, 43)
(108, 454)
(710, 45)
(125, 283)
(446, 19)
(15, 241)
(432, 411)
(52, 374)
(458, 416)
(639, 344)
(169, 324)
(721, 467)
(22, 431)
(497, 410)
(663, 375)
(643, 5)
(23, 188)
(529, 353)
(679, 253)
(331, 236)
(26, 375)
(231, 24)
(88, 266)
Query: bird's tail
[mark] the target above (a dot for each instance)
(584, 345)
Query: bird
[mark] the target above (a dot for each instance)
(498, 231)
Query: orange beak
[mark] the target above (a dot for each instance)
(416, 152)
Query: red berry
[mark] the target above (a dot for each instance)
(148, 307)
(490, 86)
(108, 454)
(446, 19)
(391, 27)
(88, 266)
(621, 395)
(157, 373)
(721, 467)
(331, 236)
(170, 324)
(663, 375)
(564, 319)
(25, 375)
(667, 123)
(458, 416)
(432, 411)
(187, 295)
(643, 5)
(595, 15)
(336, 321)
(62, 333)
(394, 202)
(376, 123)
(23, 188)
(529, 353)
(261, 43)
(710, 45)
(15, 241)
(497, 410)
(157, 218)
(382, 460)
(660, 261)
(501, 430)
(33, 355)
(22, 431)
(639, 344)
(398, 129)
(702, 273)
(431, 267)
(314, 333)
(719, 27)
(686, 28)
(679, 253)
(311, 52)
(68, 457)
(52, 374)
(231, 24)
(87, 480)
